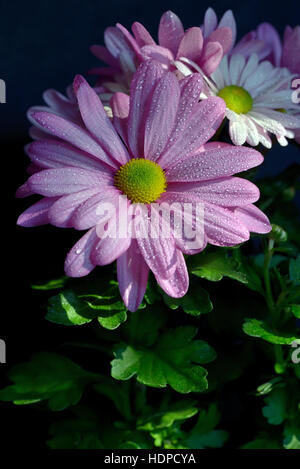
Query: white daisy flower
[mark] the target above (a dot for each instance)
(258, 97)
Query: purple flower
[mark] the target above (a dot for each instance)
(123, 52)
(154, 152)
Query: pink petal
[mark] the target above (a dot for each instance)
(190, 89)
(177, 284)
(132, 276)
(116, 42)
(187, 220)
(227, 192)
(158, 251)
(61, 212)
(56, 182)
(134, 49)
(159, 120)
(170, 31)
(55, 154)
(228, 21)
(120, 108)
(191, 44)
(203, 123)
(70, 132)
(97, 121)
(214, 162)
(24, 191)
(78, 263)
(211, 57)
(210, 22)
(103, 54)
(253, 218)
(107, 250)
(223, 36)
(142, 37)
(62, 105)
(158, 53)
(86, 214)
(115, 241)
(222, 227)
(37, 214)
(267, 33)
(142, 87)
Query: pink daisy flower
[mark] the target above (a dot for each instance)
(123, 52)
(154, 151)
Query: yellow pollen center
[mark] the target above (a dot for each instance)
(237, 99)
(143, 181)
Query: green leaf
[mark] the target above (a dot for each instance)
(47, 376)
(204, 434)
(173, 360)
(215, 266)
(294, 270)
(52, 284)
(114, 321)
(195, 302)
(262, 443)
(275, 408)
(258, 328)
(292, 437)
(295, 310)
(69, 310)
(180, 411)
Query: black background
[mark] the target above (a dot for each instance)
(43, 45)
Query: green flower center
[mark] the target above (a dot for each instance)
(143, 181)
(237, 99)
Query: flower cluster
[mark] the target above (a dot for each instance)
(145, 138)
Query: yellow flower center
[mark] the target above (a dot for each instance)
(143, 181)
(237, 99)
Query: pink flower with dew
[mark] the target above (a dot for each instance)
(291, 50)
(153, 152)
(258, 100)
(123, 52)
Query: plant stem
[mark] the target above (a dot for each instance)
(267, 279)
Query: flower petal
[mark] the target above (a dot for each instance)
(177, 284)
(120, 108)
(170, 31)
(191, 44)
(132, 276)
(37, 214)
(70, 132)
(78, 263)
(97, 121)
(211, 57)
(214, 161)
(50, 154)
(227, 192)
(158, 251)
(142, 36)
(61, 212)
(142, 87)
(201, 126)
(159, 120)
(56, 182)
(254, 219)
(222, 227)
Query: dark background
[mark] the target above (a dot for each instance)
(43, 45)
